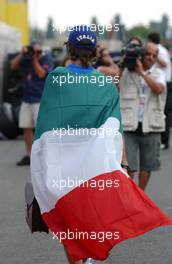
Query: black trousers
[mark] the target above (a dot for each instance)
(165, 136)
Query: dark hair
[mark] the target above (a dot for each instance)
(35, 42)
(84, 55)
(100, 61)
(101, 52)
(135, 38)
(154, 37)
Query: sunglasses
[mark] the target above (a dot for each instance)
(38, 51)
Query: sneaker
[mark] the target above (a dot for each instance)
(89, 261)
(25, 161)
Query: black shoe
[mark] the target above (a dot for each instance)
(25, 161)
(164, 146)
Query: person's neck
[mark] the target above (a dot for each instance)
(77, 62)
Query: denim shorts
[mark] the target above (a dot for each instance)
(143, 150)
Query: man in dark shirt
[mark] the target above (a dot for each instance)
(35, 68)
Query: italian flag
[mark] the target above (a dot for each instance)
(85, 197)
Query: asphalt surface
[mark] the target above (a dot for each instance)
(19, 246)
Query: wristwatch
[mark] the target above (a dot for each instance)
(125, 166)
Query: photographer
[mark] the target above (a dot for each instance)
(34, 68)
(143, 96)
(105, 63)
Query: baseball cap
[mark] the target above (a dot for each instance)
(82, 37)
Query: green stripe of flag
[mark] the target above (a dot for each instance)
(81, 105)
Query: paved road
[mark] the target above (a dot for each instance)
(18, 246)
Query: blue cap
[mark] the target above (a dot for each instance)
(82, 37)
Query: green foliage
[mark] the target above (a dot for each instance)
(36, 33)
(50, 29)
(139, 31)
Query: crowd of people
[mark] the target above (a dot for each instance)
(144, 73)
(143, 91)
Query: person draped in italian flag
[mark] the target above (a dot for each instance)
(85, 195)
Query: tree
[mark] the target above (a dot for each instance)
(164, 25)
(117, 19)
(37, 34)
(50, 33)
(94, 25)
(121, 34)
(139, 31)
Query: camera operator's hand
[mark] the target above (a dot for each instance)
(40, 71)
(15, 63)
(156, 87)
(139, 67)
(35, 58)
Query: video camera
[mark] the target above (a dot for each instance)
(131, 53)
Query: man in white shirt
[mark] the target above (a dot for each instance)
(164, 63)
(163, 60)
